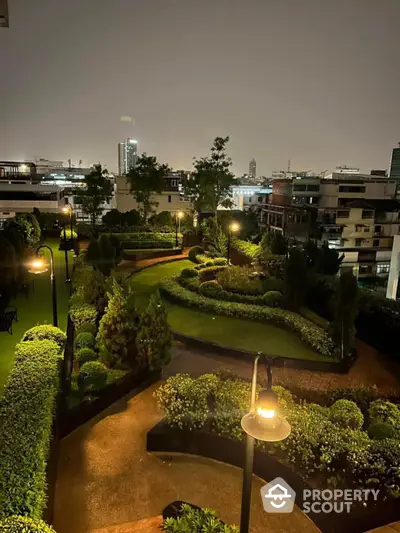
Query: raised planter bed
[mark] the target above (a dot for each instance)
(162, 438)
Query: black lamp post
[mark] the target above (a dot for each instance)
(67, 278)
(178, 217)
(263, 423)
(232, 228)
(38, 266)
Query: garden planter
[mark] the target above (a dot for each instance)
(162, 438)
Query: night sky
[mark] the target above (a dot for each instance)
(315, 81)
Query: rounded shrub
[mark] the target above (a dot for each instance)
(346, 414)
(86, 354)
(23, 524)
(385, 411)
(84, 340)
(92, 376)
(189, 273)
(381, 430)
(46, 332)
(211, 289)
(83, 313)
(194, 252)
(272, 298)
(209, 263)
(87, 327)
(219, 261)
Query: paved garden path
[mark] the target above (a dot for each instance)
(371, 369)
(106, 477)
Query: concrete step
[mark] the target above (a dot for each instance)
(147, 525)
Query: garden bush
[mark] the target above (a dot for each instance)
(24, 524)
(240, 280)
(87, 327)
(311, 334)
(46, 332)
(211, 289)
(68, 234)
(83, 355)
(192, 520)
(273, 298)
(381, 430)
(26, 419)
(384, 411)
(248, 249)
(346, 414)
(189, 273)
(84, 340)
(92, 377)
(83, 314)
(184, 400)
(208, 273)
(194, 252)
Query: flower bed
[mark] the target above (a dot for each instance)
(310, 333)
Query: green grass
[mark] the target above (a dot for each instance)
(37, 309)
(225, 331)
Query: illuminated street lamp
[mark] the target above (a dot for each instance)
(262, 422)
(178, 216)
(39, 266)
(65, 211)
(233, 228)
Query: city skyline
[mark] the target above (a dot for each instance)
(318, 101)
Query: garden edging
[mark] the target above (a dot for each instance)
(162, 438)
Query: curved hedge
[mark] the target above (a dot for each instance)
(46, 332)
(310, 333)
(26, 418)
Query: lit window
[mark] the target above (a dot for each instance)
(383, 268)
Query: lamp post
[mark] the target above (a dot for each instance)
(67, 209)
(67, 278)
(38, 266)
(263, 423)
(232, 229)
(178, 216)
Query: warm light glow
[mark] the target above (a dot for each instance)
(23, 168)
(266, 413)
(180, 214)
(66, 209)
(38, 266)
(234, 226)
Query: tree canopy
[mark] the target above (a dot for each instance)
(210, 184)
(97, 191)
(145, 180)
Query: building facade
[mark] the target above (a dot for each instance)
(395, 164)
(127, 156)
(354, 213)
(253, 169)
(171, 199)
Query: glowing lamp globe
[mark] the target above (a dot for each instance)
(38, 266)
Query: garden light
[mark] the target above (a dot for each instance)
(180, 214)
(66, 210)
(234, 227)
(38, 266)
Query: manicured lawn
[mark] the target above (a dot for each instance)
(37, 309)
(226, 331)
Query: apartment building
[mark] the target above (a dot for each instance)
(245, 197)
(25, 196)
(355, 213)
(171, 199)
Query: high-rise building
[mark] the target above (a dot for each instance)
(3, 14)
(127, 155)
(395, 164)
(252, 168)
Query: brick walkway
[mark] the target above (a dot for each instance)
(371, 369)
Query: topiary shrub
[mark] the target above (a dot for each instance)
(218, 261)
(81, 314)
(86, 354)
(189, 273)
(211, 289)
(84, 340)
(196, 521)
(384, 411)
(46, 332)
(346, 414)
(194, 252)
(92, 377)
(381, 430)
(240, 279)
(24, 524)
(87, 327)
(273, 298)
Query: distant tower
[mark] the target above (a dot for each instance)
(395, 164)
(4, 14)
(252, 168)
(127, 156)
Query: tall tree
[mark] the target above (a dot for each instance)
(98, 190)
(210, 184)
(296, 278)
(345, 310)
(145, 180)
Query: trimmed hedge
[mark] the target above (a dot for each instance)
(246, 248)
(82, 314)
(26, 418)
(23, 524)
(84, 340)
(194, 252)
(208, 273)
(147, 240)
(188, 273)
(92, 376)
(86, 354)
(311, 334)
(46, 332)
(191, 520)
